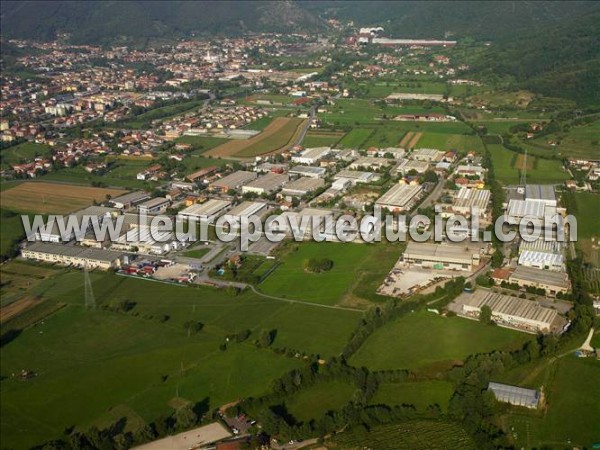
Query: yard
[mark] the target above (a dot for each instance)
(423, 338)
(24, 152)
(420, 394)
(317, 400)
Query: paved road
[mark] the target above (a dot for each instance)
(300, 138)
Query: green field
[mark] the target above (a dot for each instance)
(570, 384)
(197, 253)
(414, 435)
(272, 141)
(11, 231)
(459, 142)
(579, 142)
(321, 139)
(587, 223)
(144, 120)
(381, 90)
(544, 171)
(24, 152)
(355, 138)
(420, 394)
(317, 400)
(423, 338)
(351, 263)
(89, 362)
(200, 144)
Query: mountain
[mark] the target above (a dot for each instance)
(103, 22)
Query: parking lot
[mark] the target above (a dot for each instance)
(404, 279)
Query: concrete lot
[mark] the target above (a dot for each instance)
(174, 271)
(190, 439)
(404, 279)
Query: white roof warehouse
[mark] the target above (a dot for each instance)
(70, 254)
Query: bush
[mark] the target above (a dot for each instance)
(315, 265)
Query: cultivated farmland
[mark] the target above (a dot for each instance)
(51, 198)
(275, 136)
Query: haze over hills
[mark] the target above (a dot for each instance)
(111, 20)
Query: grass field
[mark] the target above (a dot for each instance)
(144, 120)
(316, 401)
(275, 136)
(351, 263)
(355, 138)
(420, 394)
(200, 144)
(414, 435)
(579, 142)
(321, 139)
(91, 362)
(49, 198)
(11, 230)
(423, 338)
(24, 152)
(545, 171)
(197, 253)
(459, 142)
(557, 426)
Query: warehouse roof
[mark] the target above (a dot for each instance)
(399, 195)
(269, 182)
(471, 198)
(549, 277)
(95, 254)
(540, 192)
(308, 169)
(450, 252)
(205, 209)
(235, 179)
(303, 184)
(510, 306)
(246, 209)
(514, 395)
(528, 257)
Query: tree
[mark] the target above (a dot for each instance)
(485, 315)
(185, 417)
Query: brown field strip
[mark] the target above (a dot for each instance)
(406, 139)
(274, 137)
(520, 162)
(52, 198)
(415, 139)
(16, 308)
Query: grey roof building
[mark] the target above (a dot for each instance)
(529, 398)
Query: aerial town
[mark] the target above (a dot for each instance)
(443, 336)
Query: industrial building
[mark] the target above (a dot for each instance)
(400, 197)
(543, 193)
(143, 240)
(130, 199)
(156, 205)
(53, 234)
(93, 258)
(370, 163)
(245, 210)
(207, 211)
(526, 315)
(302, 186)
(266, 184)
(311, 155)
(426, 154)
(470, 171)
(356, 176)
(542, 245)
(552, 281)
(308, 171)
(443, 256)
(406, 165)
(233, 181)
(542, 260)
(396, 152)
(518, 396)
(465, 200)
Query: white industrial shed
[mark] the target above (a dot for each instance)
(518, 396)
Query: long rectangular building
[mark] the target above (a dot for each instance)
(551, 281)
(400, 197)
(233, 181)
(207, 211)
(73, 255)
(516, 312)
(515, 395)
(443, 256)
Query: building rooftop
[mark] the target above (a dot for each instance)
(269, 182)
(246, 209)
(303, 184)
(510, 306)
(205, 209)
(515, 395)
(95, 254)
(550, 277)
(540, 192)
(235, 179)
(399, 195)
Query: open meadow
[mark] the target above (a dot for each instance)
(96, 366)
(52, 198)
(24, 152)
(423, 338)
(421, 394)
